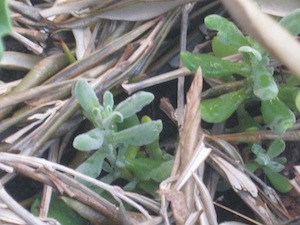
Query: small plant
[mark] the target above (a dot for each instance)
(278, 102)
(5, 24)
(259, 83)
(271, 164)
(116, 140)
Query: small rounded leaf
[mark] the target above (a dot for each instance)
(108, 99)
(213, 66)
(134, 103)
(87, 98)
(139, 135)
(91, 140)
(279, 182)
(276, 148)
(219, 109)
(277, 116)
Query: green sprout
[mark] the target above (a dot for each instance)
(116, 139)
(271, 164)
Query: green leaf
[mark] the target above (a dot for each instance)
(279, 182)
(253, 166)
(229, 38)
(111, 119)
(290, 96)
(276, 148)
(277, 116)
(108, 99)
(219, 109)
(5, 24)
(134, 103)
(90, 140)
(88, 100)
(153, 149)
(162, 172)
(142, 168)
(261, 157)
(291, 22)
(150, 187)
(139, 135)
(132, 150)
(251, 50)
(246, 121)
(59, 211)
(93, 165)
(213, 66)
(264, 86)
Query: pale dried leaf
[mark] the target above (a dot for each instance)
(198, 158)
(9, 217)
(18, 61)
(143, 10)
(82, 37)
(278, 7)
(238, 180)
(178, 203)
(6, 87)
(206, 200)
(232, 223)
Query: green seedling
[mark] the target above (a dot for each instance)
(271, 164)
(5, 24)
(258, 77)
(115, 141)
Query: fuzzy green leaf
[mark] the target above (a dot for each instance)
(87, 99)
(277, 116)
(219, 109)
(90, 140)
(290, 96)
(162, 172)
(139, 135)
(264, 86)
(142, 168)
(279, 182)
(134, 103)
(93, 165)
(291, 22)
(229, 38)
(276, 148)
(213, 66)
(108, 99)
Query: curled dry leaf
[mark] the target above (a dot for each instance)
(238, 180)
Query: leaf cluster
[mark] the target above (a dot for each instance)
(117, 138)
(271, 164)
(279, 102)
